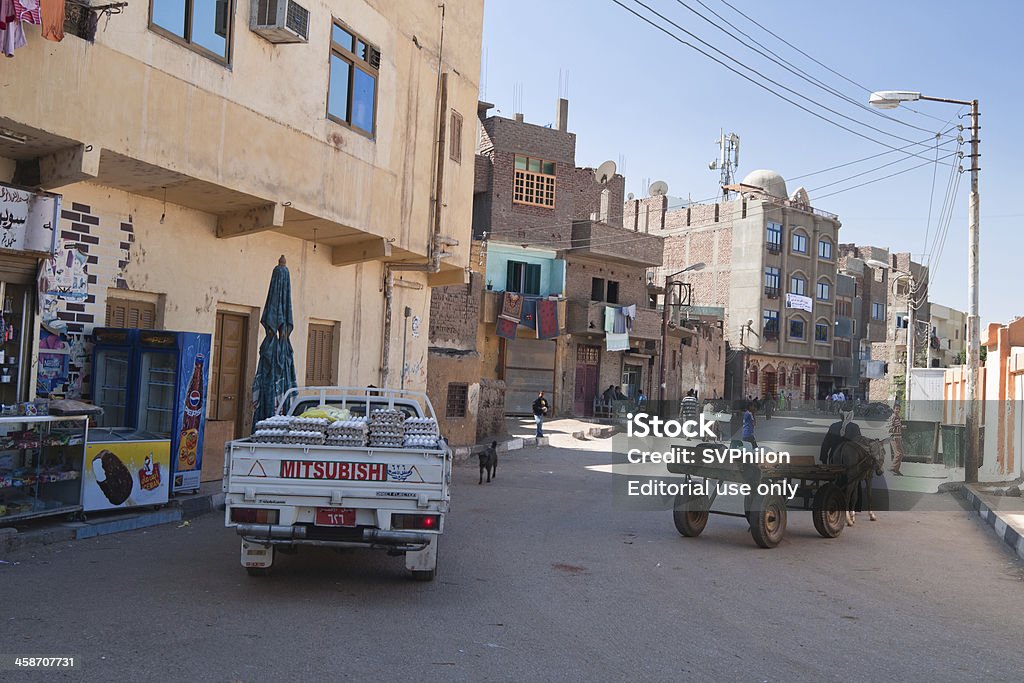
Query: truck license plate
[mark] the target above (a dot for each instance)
(335, 516)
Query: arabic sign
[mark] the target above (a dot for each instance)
(27, 220)
(797, 301)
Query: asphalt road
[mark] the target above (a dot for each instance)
(541, 578)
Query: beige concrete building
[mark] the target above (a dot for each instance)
(192, 151)
(948, 336)
(770, 261)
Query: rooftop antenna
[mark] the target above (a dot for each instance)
(728, 159)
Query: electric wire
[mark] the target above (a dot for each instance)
(771, 55)
(864, 173)
(824, 66)
(766, 78)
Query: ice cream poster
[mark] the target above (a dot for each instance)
(126, 474)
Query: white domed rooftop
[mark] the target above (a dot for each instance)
(769, 181)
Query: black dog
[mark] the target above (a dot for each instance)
(489, 462)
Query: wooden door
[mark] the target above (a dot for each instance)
(227, 376)
(586, 390)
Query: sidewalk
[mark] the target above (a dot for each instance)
(58, 529)
(1005, 514)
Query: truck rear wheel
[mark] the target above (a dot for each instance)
(258, 571)
(424, 575)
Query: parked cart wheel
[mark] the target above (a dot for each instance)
(829, 511)
(768, 520)
(690, 514)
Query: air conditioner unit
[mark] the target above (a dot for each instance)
(280, 21)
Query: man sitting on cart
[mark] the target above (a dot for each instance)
(839, 433)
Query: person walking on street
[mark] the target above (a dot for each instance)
(540, 409)
(769, 406)
(782, 400)
(896, 439)
(688, 406)
(748, 425)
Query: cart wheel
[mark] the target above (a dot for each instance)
(769, 520)
(258, 571)
(829, 511)
(690, 514)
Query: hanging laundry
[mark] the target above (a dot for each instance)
(547, 319)
(616, 342)
(12, 33)
(529, 318)
(506, 328)
(620, 326)
(52, 15)
(512, 307)
(27, 11)
(629, 313)
(609, 319)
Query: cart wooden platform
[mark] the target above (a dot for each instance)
(823, 489)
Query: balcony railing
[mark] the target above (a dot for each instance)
(587, 317)
(771, 333)
(771, 292)
(774, 248)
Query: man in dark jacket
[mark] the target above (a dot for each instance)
(540, 409)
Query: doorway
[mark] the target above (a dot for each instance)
(632, 375)
(227, 383)
(587, 374)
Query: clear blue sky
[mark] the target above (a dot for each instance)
(638, 94)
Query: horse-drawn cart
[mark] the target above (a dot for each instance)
(826, 490)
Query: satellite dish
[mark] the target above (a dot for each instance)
(605, 171)
(630, 196)
(713, 164)
(658, 188)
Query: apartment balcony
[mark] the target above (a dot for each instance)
(617, 245)
(587, 317)
(771, 292)
(773, 248)
(491, 308)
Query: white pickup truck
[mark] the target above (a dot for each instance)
(285, 495)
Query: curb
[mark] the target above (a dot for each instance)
(177, 511)
(1010, 536)
(463, 454)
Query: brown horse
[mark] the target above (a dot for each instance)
(860, 456)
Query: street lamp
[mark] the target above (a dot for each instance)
(911, 324)
(890, 99)
(669, 283)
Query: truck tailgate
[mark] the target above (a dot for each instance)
(317, 472)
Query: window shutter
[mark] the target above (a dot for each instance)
(320, 356)
(533, 278)
(132, 314)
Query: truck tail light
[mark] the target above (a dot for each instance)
(254, 516)
(421, 522)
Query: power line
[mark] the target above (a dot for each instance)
(768, 53)
(869, 182)
(766, 78)
(824, 66)
(863, 173)
(868, 158)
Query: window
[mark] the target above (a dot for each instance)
(877, 311)
(797, 285)
(853, 327)
(352, 93)
(902, 321)
(843, 308)
(825, 249)
(796, 328)
(795, 378)
(533, 181)
(597, 289)
(455, 406)
(139, 315)
(522, 278)
(824, 291)
(320, 356)
(774, 238)
(771, 324)
(771, 282)
(799, 243)
(455, 138)
(821, 332)
(613, 292)
(203, 25)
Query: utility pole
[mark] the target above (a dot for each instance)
(974, 446)
(664, 340)
(911, 335)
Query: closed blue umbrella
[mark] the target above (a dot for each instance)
(275, 372)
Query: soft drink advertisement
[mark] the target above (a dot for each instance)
(126, 474)
(187, 439)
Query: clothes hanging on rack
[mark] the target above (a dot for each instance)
(12, 34)
(52, 15)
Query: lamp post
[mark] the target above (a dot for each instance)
(890, 99)
(669, 283)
